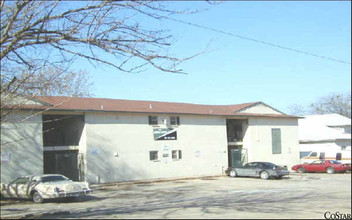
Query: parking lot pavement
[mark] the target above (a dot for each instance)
(298, 196)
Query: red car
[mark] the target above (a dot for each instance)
(329, 166)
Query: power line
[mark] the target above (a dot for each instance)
(258, 41)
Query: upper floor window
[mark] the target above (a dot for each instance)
(175, 120)
(153, 120)
(176, 154)
(153, 155)
(276, 140)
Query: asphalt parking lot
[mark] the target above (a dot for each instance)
(297, 196)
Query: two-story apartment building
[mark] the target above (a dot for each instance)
(110, 140)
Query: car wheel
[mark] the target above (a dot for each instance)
(232, 173)
(301, 170)
(330, 170)
(37, 198)
(264, 175)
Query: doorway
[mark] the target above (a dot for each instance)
(63, 162)
(237, 156)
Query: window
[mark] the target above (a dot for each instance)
(175, 120)
(254, 164)
(313, 154)
(304, 153)
(268, 165)
(153, 120)
(276, 140)
(153, 155)
(176, 154)
(322, 156)
(334, 162)
(53, 178)
(21, 180)
(338, 156)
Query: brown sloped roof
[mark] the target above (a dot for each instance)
(63, 103)
(119, 105)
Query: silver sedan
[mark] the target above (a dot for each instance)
(264, 170)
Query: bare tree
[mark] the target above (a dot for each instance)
(339, 103)
(333, 103)
(32, 31)
(40, 39)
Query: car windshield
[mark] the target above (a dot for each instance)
(53, 178)
(335, 162)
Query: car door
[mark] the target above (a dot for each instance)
(325, 164)
(18, 188)
(249, 169)
(315, 166)
(257, 169)
(321, 167)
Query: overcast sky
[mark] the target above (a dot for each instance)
(236, 70)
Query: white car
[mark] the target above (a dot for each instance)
(48, 186)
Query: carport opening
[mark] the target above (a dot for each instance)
(62, 130)
(236, 129)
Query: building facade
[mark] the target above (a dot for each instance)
(325, 137)
(109, 140)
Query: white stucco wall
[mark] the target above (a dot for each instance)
(259, 143)
(22, 141)
(202, 141)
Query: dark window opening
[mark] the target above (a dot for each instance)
(338, 156)
(153, 120)
(235, 130)
(176, 154)
(62, 130)
(153, 155)
(175, 120)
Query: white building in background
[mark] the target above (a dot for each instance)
(111, 140)
(325, 137)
